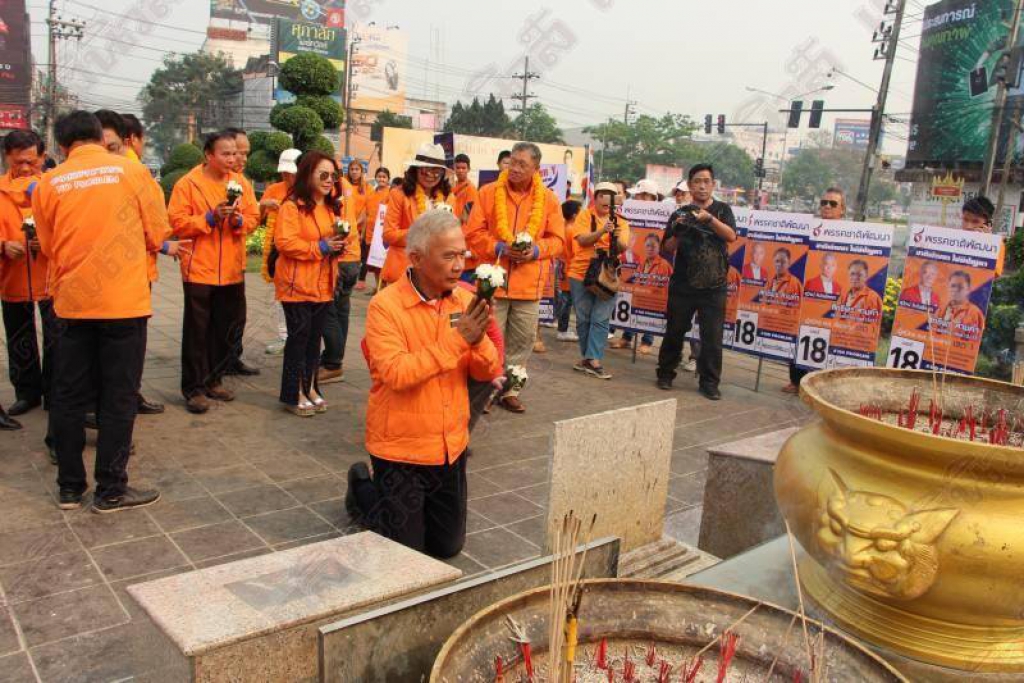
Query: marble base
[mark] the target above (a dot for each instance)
(257, 619)
(615, 465)
(739, 497)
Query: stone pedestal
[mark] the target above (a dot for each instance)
(739, 500)
(257, 619)
(615, 465)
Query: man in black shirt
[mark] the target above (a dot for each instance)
(700, 232)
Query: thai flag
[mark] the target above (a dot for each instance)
(588, 178)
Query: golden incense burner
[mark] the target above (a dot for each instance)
(914, 525)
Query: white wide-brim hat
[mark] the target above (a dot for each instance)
(428, 155)
(645, 186)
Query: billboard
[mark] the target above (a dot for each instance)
(295, 37)
(962, 43)
(15, 65)
(266, 11)
(379, 69)
(851, 134)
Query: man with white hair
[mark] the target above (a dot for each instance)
(425, 338)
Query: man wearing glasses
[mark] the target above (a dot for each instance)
(832, 207)
(699, 232)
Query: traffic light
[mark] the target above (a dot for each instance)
(721, 124)
(759, 168)
(707, 124)
(796, 110)
(816, 108)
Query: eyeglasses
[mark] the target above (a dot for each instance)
(328, 175)
(829, 202)
(701, 181)
(430, 170)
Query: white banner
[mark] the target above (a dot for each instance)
(378, 252)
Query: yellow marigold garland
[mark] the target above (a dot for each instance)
(533, 227)
(421, 199)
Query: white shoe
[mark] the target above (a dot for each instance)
(690, 366)
(548, 324)
(568, 336)
(275, 348)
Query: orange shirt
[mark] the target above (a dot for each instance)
(373, 202)
(303, 272)
(463, 194)
(25, 278)
(659, 266)
(277, 191)
(98, 215)
(218, 252)
(418, 410)
(967, 316)
(357, 196)
(402, 212)
(863, 302)
(582, 255)
(525, 280)
(786, 284)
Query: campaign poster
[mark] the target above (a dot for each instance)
(646, 268)
(378, 252)
(841, 314)
(947, 284)
(737, 249)
(771, 284)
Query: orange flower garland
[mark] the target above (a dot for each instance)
(533, 227)
(421, 199)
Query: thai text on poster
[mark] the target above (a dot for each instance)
(646, 268)
(737, 249)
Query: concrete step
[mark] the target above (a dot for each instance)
(666, 559)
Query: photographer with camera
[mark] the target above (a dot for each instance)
(700, 232)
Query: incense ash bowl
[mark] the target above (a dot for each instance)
(677, 619)
(915, 541)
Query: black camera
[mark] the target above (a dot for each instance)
(685, 218)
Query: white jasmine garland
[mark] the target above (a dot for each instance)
(489, 278)
(342, 228)
(234, 189)
(29, 222)
(516, 377)
(448, 208)
(522, 241)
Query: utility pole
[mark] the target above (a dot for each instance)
(889, 39)
(349, 89)
(526, 96)
(1008, 167)
(1000, 105)
(57, 29)
(630, 109)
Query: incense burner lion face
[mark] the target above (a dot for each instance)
(877, 545)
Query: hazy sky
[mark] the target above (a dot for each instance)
(669, 55)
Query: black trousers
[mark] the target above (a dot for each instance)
(98, 363)
(30, 373)
(423, 507)
(796, 374)
(709, 305)
(211, 334)
(305, 323)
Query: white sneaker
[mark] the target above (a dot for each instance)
(690, 366)
(568, 336)
(547, 323)
(275, 348)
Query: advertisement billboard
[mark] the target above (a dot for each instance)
(296, 37)
(962, 45)
(851, 134)
(379, 69)
(328, 12)
(15, 65)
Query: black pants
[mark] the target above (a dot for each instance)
(709, 305)
(422, 507)
(211, 334)
(96, 359)
(336, 323)
(796, 374)
(305, 323)
(29, 377)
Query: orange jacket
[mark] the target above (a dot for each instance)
(418, 411)
(402, 212)
(304, 272)
(525, 280)
(276, 191)
(581, 255)
(97, 215)
(462, 195)
(373, 202)
(218, 251)
(15, 281)
(357, 196)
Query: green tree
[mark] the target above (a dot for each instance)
(180, 91)
(388, 119)
(309, 74)
(487, 119)
(182, 158)
(537, 125)
(312, 79)
(813, 170)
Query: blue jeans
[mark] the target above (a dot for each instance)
(592, 316)
(563, 306)
(647, 339)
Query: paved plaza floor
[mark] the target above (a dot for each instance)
(248, 478)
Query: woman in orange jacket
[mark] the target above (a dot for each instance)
(308, 246)
(373, 202)
(424, 187)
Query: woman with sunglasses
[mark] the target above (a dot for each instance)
(424, 187)
(305, 276)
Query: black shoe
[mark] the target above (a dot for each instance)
(240, 368)
(149, 407)
(710, 393)
(356, 473)
(91, 422)
(70, 500)
(131, 498)
(52, 453)
(22, 406)
(664, 383)
(8, 423)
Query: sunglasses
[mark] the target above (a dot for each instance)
(328, 175)
(829, 202)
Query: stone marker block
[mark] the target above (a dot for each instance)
(257, 619)
(614, 464)
(739, 498)
(401, 641)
